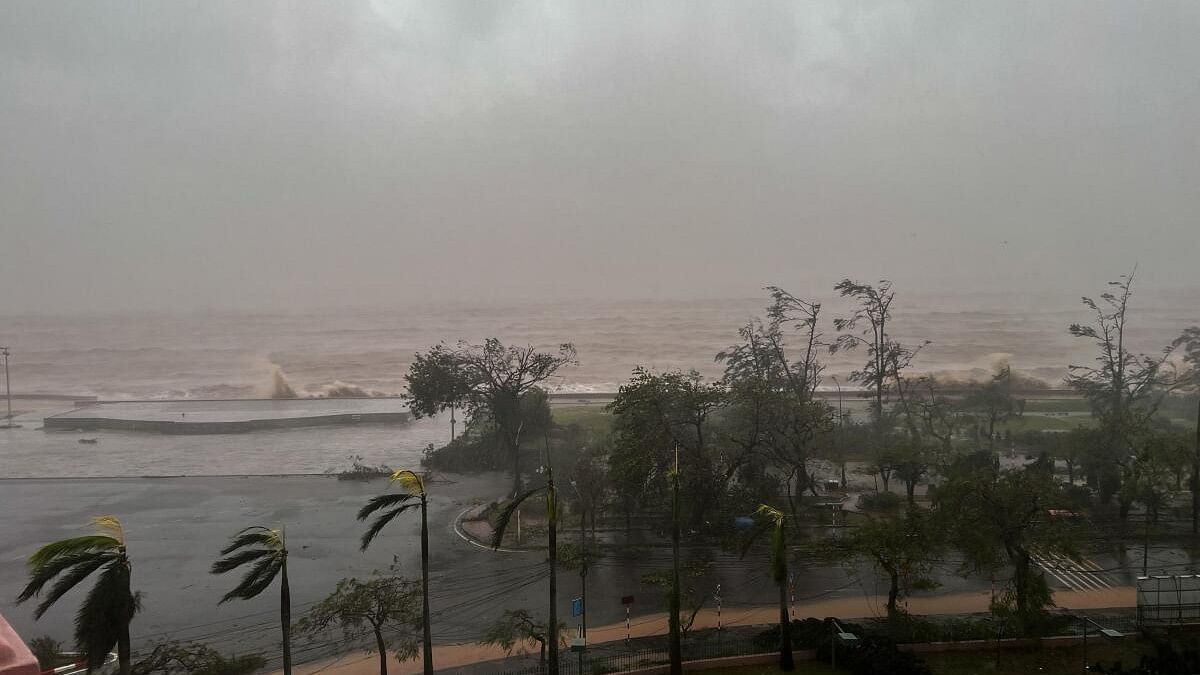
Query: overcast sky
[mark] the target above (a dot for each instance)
(248, 154)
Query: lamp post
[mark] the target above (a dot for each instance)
(836, 632)
(583, 570)
(838, 429)
(1106, 632)
(7, 388)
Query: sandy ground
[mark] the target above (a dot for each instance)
(448, 657)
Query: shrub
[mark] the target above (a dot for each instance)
(880, 501)
(47, 650)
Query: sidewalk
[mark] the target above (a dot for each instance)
(448, 657)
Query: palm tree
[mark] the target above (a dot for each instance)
(774, 520)
(552, 536)
(103, 618)
(267, 549)
(413, 495)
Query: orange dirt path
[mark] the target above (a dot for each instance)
(866, 606)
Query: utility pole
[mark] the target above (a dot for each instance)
(7, 387)
(675, 650)
(1196, 477)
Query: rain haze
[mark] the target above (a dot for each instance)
(300, 303)
(289, 155)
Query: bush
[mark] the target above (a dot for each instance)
(873, 655)
(47, 650)
(360, 471)
(880, 501)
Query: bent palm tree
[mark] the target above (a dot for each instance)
(103, 618)
(775, 521)
(267, 549)
(552, 535)
(393, 505)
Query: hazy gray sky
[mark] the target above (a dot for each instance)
(282, 154)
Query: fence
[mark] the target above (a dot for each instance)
(608, 658)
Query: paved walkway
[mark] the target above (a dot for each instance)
(448, 657)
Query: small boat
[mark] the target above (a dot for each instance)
(89, 441)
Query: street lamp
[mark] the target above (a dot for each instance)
(7, 388)
(837, 440)
(836, 632)
(1106, 632)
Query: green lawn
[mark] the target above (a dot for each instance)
(1043, 423)
(592, 418)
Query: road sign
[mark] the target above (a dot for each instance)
(576, 606)
(627, 600)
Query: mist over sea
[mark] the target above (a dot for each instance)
(226, 354)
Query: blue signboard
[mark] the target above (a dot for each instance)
(576, 606)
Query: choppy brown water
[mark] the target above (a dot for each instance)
(235, 354)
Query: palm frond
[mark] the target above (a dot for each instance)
(506, 515)
(110, 526)
(41, 575)
(87, 564)
(238, 559)
(382, 502)
(255, 535)
(91, 542)
(767, 511)
(108, 606)
(410, 481)
(381, 522)
(256, 580)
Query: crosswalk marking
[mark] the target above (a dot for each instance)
(1084, 575)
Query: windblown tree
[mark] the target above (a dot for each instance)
(189, 658)
(103, 619)
(518, 626)
(993, 400)
(265, 550)
(1124, 389)
(1190, 341)
(388, 507)
(652, 415)
(903, 547)
(383, 604)
(773, 520)
(930, 421)
(1006, 517)
(490, 380)
(867, 327)
(772, 376)
(501, 526)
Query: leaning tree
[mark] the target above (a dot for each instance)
(107, 610)
(490, 380)
(266, 550)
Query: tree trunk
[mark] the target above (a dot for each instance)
(285, 617)
(786, 661)
(515, 450)
(426, 627)
(382, 647)
(123, 651)
(1021, 582)
(1196, 477)
(552, 630)
(910, 487)
(674, 647)
(893, 593)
